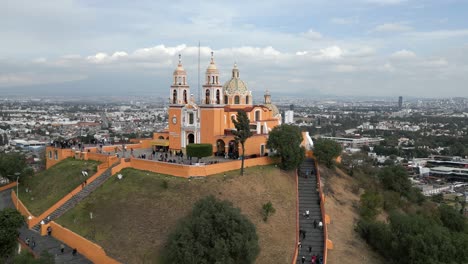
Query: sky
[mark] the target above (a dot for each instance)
(302, 48)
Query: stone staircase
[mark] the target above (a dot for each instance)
(89, 188)
(309, 200)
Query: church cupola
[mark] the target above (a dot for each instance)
(267, 97)
(180, 92)
(212, 90)
(236, 91)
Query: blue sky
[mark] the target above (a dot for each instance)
(354, 47)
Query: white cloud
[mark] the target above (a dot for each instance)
(440, 34)
(403, 54)
(344, 68)
(344, 20)
(333, 52)
(312, 34)
(386, 2)
(392, 27)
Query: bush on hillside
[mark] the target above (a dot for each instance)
(214, 232)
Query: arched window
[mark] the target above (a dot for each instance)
(50, 154)
(185, 96)
(236, 100)
(180, 80)
(225, 99)
(247, 99)
(208, 79)
(207, 96)
(216, 79)
(174, 96)
(175, 79)
(184, 79)
(191, 118)
(217, 97)
(257, 115)
(213, 80)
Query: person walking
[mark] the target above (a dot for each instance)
(62, 248)
(74, 252)
(303, 260)
(303, 235)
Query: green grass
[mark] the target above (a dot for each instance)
(49, 186)
(133, 217)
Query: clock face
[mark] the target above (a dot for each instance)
(174, 120)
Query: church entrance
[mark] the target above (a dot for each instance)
(190, 138)
(233, 150)
(220, 147)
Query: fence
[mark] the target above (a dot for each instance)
(296, 248)
(324, 216)
(90, 250)
(22, 209)
(8, 186)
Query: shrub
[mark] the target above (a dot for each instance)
(267, 210)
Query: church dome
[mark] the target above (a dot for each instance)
(273, 108)
(235, 85)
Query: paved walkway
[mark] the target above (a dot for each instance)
(309, 200)
(48, 243)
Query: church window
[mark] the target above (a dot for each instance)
(191, 118)
(247, 99)
(217, 97)
(174, 96)
(225, 99)
(180, 80)
(175, 80)
(213, 79)
(207, 97)
(50, 154)
(185, 96)
(236, 100)
(184, 79)
(216, 79)
(257, 115)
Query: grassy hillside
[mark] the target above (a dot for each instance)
(342, 207)
(49, 186)
(133, 217)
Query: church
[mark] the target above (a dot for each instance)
(210, 120)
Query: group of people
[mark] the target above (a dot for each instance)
(315, 259)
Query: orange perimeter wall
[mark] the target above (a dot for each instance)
(296, 248)
(90, 250)
(8, 186)
(22, 209)
(187, 170)
(324, 216)
(62, 154)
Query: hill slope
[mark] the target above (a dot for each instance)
(341, 205)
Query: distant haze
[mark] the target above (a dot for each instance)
(296, 48)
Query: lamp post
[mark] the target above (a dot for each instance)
(17, 174)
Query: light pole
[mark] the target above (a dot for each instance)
(17, 174)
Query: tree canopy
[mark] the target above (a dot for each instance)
(395, 178)
(286, 140)
(199, 150)
(12, 164)
(242, 132)
(326, 151)
(214, 232)
(10, 221)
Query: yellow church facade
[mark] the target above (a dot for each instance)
(210, 120)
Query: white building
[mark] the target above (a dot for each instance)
(289, 117)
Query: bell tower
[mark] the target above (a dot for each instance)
(178, 98)
(180, 91)
(212, 89)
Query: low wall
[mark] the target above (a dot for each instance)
(296, 248)
(62, 201)
(188, 170)
(61, 155)
(90, 250)
(8, 186)
(324, 216)
(22, 209)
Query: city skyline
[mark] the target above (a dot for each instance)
(357, 48)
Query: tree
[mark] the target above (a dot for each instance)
(326, 151)
(286, 141)
(242, 132)
(452, 219)
(10, 221)
(395, 178)
(370, 203)
(267, 210)
(11, 164)
(214, 232)
(199, 150)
